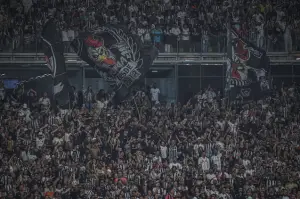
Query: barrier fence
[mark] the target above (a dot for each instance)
(166, 43)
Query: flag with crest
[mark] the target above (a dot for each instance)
(119, 57)
(247, 69)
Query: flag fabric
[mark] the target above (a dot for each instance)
(54, 55)
(40, 85)
(53, 48)
(116, 55)
(247, 69)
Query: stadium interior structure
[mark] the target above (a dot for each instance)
(178, 75)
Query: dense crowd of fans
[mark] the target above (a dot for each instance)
(171, 25)
(207, 148)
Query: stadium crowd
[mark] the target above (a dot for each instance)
(171, 25)
(205, 149)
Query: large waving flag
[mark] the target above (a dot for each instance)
(40, 84)
(247, 69)
(117, 56)
(54, 56)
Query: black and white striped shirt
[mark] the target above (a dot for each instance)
(51, 120)
(173, 153)
(5, 179)
(208, 148)
(35, 124)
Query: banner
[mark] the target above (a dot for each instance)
(55, 59)
(117, 56)
(247, 69)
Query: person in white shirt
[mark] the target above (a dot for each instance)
(175, 30)
(155, 94)
(249, 170)
(216, 160)
(58, 141)
(204, 163)
(25, 113)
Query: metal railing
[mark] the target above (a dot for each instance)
(209, 44)
(163, 58)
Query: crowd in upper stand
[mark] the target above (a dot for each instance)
(205, 149)
(171, 25)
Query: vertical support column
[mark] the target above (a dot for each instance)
(83, 77)
(293, 74)
(176, 82)
(223, 77)
(200, 79)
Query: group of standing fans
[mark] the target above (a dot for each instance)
(142, 148)
(207, 148)
(171, 25)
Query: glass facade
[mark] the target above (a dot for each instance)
(176, 82)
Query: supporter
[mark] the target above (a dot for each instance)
(45, 103)
(157, 36)
(155, 92)
(89, 98)
(199, 150)
(20, 26)
(203, 149)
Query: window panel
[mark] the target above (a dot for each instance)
(277, 70)
(217, 83)
(189, 70)
(187, 88)
(212, 70)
